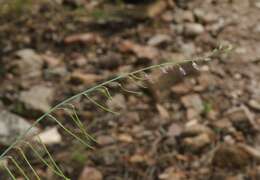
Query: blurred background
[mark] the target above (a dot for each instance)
(203, 125)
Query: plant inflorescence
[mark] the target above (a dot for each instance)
(40, 150)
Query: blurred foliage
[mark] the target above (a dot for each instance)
(14, 6)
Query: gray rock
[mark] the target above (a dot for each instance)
(29, 63)
(193, 29)
(11, 126)
(37, 99)
(193, 101)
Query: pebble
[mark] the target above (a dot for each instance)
(230, 156)
(242, 119)
(29, 64)
(90, 173)
(174, 130)
(159, 39)
(36, 100)
(193, 29)
(196, 143)
(196, 136)
(254, 104)
(78, 77)
(193, 101)
(205, 17)
(11, 126)
(49, 136)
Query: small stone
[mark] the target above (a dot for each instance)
(118, 101)
(257, 5)
(181, 16)
(196, 143)
(242, 119)
(156, 8)
(110, 61)
(254, 104)
(195, 129)
(192, 114)
(29, 64)
(49, 136)
(230, 156)
(229, 139)
(222, 124)
(138, 158)
(188, 48)
(143, 52)
(125, 138)
(174, 130)
(181, 88)
(196, 136)
(193, 29)
(85, 38)
(207, 81)
(188, 16)
(163, 111)
(172, 173)
(205, 17)
(168, 16)
(104, 140)
(37, 100)
(193, 101)
(50, 60)
(83, 78)
(11, 126)
(159, 39)
(90, 173)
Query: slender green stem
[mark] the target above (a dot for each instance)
(10, 172)
(29, 164)
(105, 91)
(136, 77)
(60, 173)
(100, 106)
(81, 126)
(137, 82)
(73, 115)
(19, 168)
(20, 137)
(129, 91)
(71, 133)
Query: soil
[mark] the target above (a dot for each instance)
(199, 126)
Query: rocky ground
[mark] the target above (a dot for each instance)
(199, 126)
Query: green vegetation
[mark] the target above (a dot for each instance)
(15, 6)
